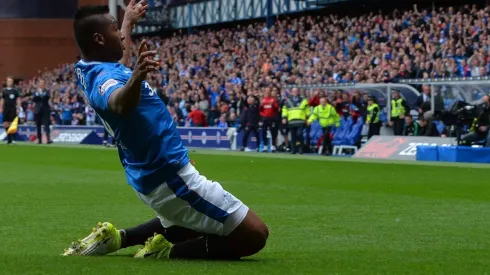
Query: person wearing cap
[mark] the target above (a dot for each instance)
(399, 110)
(372, 120)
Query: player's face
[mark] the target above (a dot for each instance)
(10, 82)
(113, 39)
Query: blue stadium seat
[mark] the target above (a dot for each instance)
(340, 134)
(383, 117)
(315, 132)
(355, 134)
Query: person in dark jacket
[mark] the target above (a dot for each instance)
(42, 110)
(427, 128)
(423, 101)
(251, 119)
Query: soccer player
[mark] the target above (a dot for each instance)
(197, 218)
(10, 101)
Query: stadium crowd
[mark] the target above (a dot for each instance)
(208, 77)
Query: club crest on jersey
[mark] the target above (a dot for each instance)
(104, 87)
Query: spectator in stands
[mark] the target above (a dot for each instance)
(197, 117)
(411, 127)
(66, 112)
(423, 101)
(399, 109)
(343, 106)
(233, 122)
(222, 122)
(251, 119)
(90, 115)
(372, 120)
(426, 128)
(179, 115)
(315, 99)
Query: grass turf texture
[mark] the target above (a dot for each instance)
(325, 217)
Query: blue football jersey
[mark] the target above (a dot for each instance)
(150, 148)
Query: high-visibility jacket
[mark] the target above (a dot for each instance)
(295, 110)
(326, 115)
(373, 113)
(397, 108)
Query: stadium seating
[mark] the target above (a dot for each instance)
(187, 79)
(348, 136)
(316, 132)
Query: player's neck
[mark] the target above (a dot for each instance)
(95, 58)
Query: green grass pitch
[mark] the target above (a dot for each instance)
(325, 217)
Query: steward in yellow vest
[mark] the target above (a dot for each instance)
(295, 112)
(328, 117)
(399, 110)
(373, 112)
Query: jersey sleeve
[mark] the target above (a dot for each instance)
(104, 85)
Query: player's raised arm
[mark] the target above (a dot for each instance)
(132, 13)
(124, 100)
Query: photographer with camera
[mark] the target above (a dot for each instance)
(480, 127)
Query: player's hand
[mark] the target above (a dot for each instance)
(135, 11)
(390, 123)
(145, 63)
(143, 47)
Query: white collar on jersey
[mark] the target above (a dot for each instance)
(89, 63)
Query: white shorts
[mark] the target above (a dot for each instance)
(194, 202)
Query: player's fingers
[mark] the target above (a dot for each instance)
(143, 2)
(151, 64)
(144, 55)
(142, 47)
(132, 3)
(143, 6)
(142, 14)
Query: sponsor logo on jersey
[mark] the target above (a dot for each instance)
(108, 84)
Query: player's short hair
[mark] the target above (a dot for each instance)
(10, 77)
(88, 21)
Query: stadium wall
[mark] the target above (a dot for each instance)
(29, 45)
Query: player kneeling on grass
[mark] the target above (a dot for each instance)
(197, 219)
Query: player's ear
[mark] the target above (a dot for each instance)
(99, 39)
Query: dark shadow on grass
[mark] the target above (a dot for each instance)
(246, 260)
